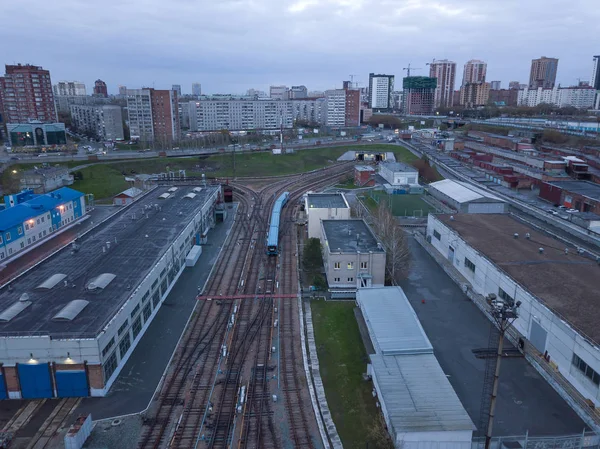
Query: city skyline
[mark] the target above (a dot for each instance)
(228, 65)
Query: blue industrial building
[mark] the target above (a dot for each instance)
(30, 218)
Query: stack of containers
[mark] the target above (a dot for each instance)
(79, 432)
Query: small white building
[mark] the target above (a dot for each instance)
(557, 287)
(127, 196)
(420, 407)
(399, 174)
(466, 198)
(324, 206)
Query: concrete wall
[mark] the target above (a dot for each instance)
(375, 266)
(562, 340)
(398, 178)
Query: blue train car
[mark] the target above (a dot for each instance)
(273, 236)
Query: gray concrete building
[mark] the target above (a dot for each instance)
(45, 179)
(69, 88)
(324, 206)
(298, 92)
(103, 121)
(353, 257)
(63, 103)
(466, 198)
(279, 93)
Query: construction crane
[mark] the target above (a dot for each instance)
(409, 68)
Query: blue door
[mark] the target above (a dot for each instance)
(71, 384)
(3, 394)
(35, 381)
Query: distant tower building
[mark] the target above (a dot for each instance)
(380, 92)
(278, 92)
(595, 81)
(475, 71)
(543, 73)
(177, 88)
(196, 89)
(474, 91)
(123, 91)
(70, 89)
(419, 95)
(445, 72)
(495, 85)
(100, 89)
(298, 92)
(514, 85)
(153, 115)
(26, 94)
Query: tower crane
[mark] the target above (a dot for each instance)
(409, 68)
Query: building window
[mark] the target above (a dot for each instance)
(38, 221)
(123, 327)
(364, 265)
(336, 279)
(350, 265)
(470, 265)
(110, 366)
(0, 238)
(108, 346)
(42, 219)
(8, 236)
(350, 279)
(20, 230)
(26, 226)
(136, 327)
(22, 244)
(437, 235)
(337, 265)
(124, 346)
(585, 369)
(155, 284)
(147, 312)
(155, 299)
(135, 310)
(146, 296)
(505, 296)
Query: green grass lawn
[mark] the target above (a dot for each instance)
(403, 205)
(342, 361)
(103, 181)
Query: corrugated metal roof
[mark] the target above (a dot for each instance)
(14, 310)
(51, 281)
(417, 394)
(71, 310)
(131, 192)
(462, 192)
(393, 325)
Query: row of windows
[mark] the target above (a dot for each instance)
(470, 265)
(339, 280)
(505, 296)
(108, 346)
(585, 369)
(350, 265)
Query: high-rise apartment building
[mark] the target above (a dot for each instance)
(495, 85)
(26, 94)
(196, 89)
(70, 88)
(102, 121)
(475, 71)
(380, 92)
(177, 88)
(595, 81)
(278, 93)
(445, 72)
(100, 89)
(543, 73)
(419, 95)
(298, 92)
(153, 115)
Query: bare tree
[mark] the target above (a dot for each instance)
(394, 240)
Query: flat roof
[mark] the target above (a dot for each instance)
(462, 192)
(584, 188)
(327, 201)
(135, 247)
(393, 324)
(350, 236)
(565, 283)
(398, 166)
(364, 168)
(417, 394)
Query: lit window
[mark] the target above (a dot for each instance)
(350, 265)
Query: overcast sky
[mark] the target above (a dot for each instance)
(232, 45)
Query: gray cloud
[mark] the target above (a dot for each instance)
(231, 45)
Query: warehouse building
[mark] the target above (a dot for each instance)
(352, 256)
(68, 325)
(324, 206)
(420, 407)
(466, 198)
(557, 288)
(581, 195)
(30, 219)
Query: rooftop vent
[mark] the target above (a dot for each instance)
(24, 297)
(100, 282)
(527, 235)
(71, 310)
(516, 235)
(541, 250)
(190, 195)
(13, 311)
(51, 281)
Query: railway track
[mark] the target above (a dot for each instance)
(226, 345)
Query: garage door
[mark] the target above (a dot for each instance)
(71, 384)
(35, 381)
(3, 394)
(538, 336)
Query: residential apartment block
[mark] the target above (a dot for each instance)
(380, 92)
(279, 93)
(100, 89)
(543, 73)
(581, 97)
(445, 72)
(103, 121)
(72, 88)
(153, 115)
(343, 107)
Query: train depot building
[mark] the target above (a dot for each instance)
(419, 405)
(68, 325)
(556, 285)
(352, 256)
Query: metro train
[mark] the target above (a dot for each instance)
(273, 236)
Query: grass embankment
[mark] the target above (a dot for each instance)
(342, 361)
(401, 205)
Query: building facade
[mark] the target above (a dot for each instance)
(70, 88)
(474, 72)
(581, 97)
(26, 94)
(177, 88)
(100, 89)
(324, 206)
(473, 95)
(398, 173)
(36, 134)
(196, 89)
(298, 92)
(153, 115)
(504, 97)
(445, 72)
(64, 103)
(495, 85)
(103, 121)
(419, 95)
(278, 93)
(139, 112)
(543, 73)
(45, 179)
(595, 80)
(380, 92)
